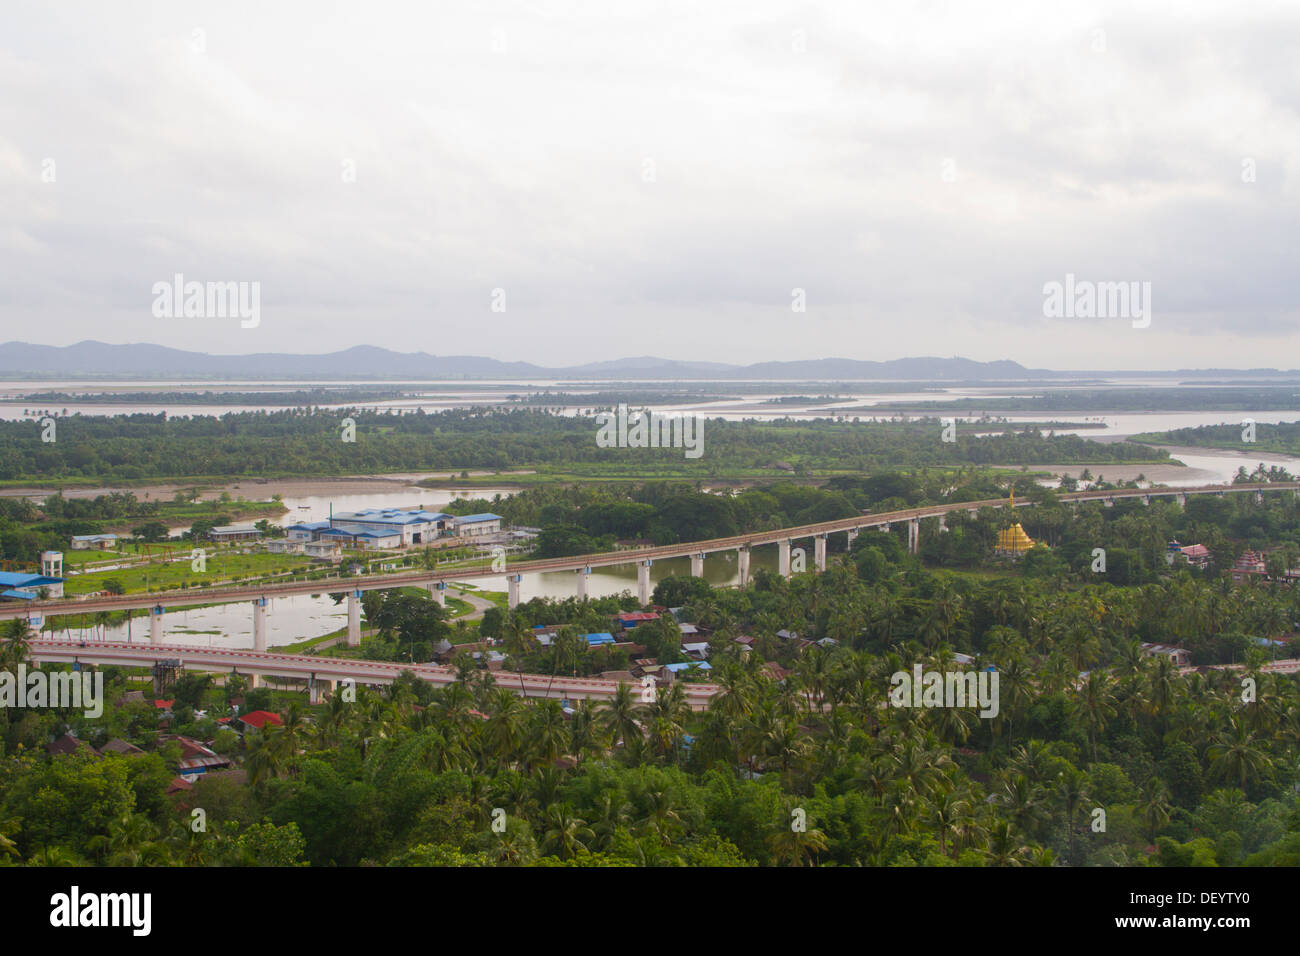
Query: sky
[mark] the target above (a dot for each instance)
(727, 182)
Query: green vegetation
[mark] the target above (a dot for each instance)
(298, 442)
(1282, 438)
(1184, 770)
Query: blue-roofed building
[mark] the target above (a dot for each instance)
(394, 527)
(688, 666)
(20, 586)
(601, 638)
(472, 526)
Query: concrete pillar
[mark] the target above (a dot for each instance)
(943, 522)
(259, 624)
(1182, 501)
(354, 619)
(697, 565)
(1146, 499)
(913, 535)
(438, 591)
(584, 576)
(155, 625)
(853, 533)
(512, 589)
(819, 552)
(742, 564)
(643, 581)
(1259, 497)
(254, 681)
(783, 557)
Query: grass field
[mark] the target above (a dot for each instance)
(220, 566)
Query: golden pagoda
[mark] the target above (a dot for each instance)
(1013, 539)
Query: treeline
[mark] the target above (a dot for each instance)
(1283, 437)
(301, 441)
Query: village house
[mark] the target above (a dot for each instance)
(93, 542)
(1178, 655)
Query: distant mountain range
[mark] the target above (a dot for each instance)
(100, 360)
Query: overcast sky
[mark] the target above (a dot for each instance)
(657, 180)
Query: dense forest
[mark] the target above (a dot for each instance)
(309, 442)
(1283, 438)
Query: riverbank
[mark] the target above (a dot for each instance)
(211, 488)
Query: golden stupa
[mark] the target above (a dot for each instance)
(1013, 539)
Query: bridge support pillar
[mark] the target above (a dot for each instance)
(259, 624)
(155, 625)
(354, 619)
(584, 577)
(697, 565)
(852, 536)
(1146, 499)
(643, 581)
(943, 522)
(819, 552)
(512, 590)
(1182, 501)
(913, 535)
(783, 557)
(254, 681)
(438, 591)
(1259, 497)
(742, 566)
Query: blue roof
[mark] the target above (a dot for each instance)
(392, 516)
(308, 526)
(94, 537)
(340, 533)
(601, 638)
(21, 595)
(687, 665)
(473, 519)
(18, 579)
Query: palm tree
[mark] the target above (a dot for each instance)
(793, 847)
(663, 817)
(1095, 704)
(1071, 790)
(949, 813)
(566, 834)
(1235, 754)
(620, 717)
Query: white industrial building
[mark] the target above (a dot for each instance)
(383, 528)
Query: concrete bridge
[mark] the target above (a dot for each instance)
(322, 673)
(260, 594)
